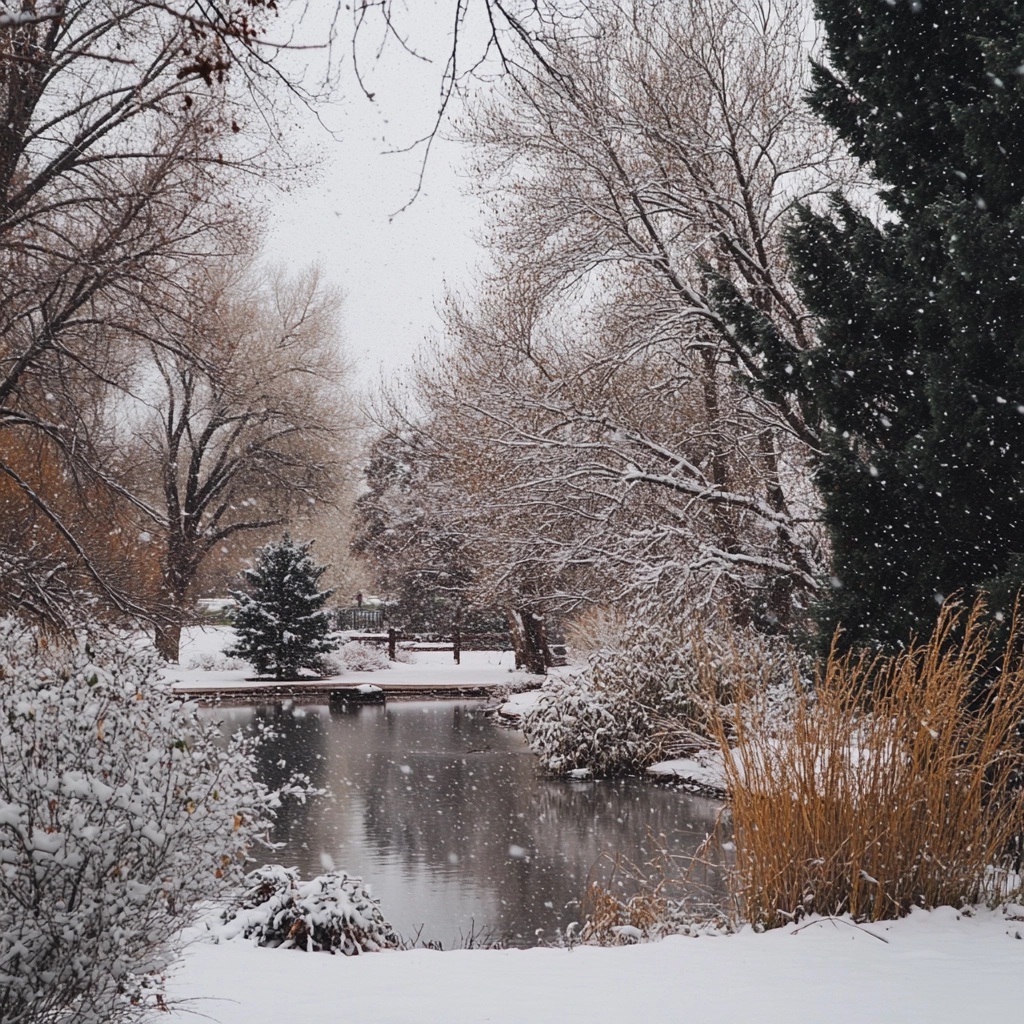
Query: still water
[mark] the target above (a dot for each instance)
(443, 811)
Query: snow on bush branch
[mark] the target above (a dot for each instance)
(651, 694)
(120, 810)
(360, 657)
(334, 913)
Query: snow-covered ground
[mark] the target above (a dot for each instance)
(704, 769)
(931, 967)
(518, 704)
(205, 646)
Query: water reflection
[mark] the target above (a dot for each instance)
(442, 810)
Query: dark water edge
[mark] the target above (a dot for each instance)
(442, 810)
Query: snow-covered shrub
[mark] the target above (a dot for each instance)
(594, 629)
(331, 664)
(120, 810)
(211, 662)
(360, 657)
(332, 913)
(573, 725)
(650, 696)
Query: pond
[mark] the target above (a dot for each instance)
(442, 810)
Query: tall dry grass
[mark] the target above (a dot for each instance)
(893, 783)
(671, 893)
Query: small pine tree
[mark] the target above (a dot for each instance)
(281, 623)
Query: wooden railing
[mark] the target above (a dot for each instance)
(359, 618)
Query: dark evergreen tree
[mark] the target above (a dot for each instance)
(918, 376)
(281, 623)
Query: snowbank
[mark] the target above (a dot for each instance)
(929, 968)
(203, 667)
(519, 703)
(705, 769)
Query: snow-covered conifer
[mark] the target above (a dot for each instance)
(283, 629)
(917, 372)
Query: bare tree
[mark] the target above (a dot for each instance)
(437, 535)
(124, 126)
(246, 436)
(42, 575)
(640, 181)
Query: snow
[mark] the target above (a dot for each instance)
(519, 703)
(432, 668)
(705, 769)
(11, 19)
(931, 967)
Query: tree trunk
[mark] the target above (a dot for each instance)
(167, 637)
(529, 640)
(725, 521)
(177, 580)
(779, 602)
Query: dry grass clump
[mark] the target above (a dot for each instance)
(894, 783)
(611, 919)
(616, 920)
(675, 892)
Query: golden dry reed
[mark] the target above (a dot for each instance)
(605, 914)
(894, 783)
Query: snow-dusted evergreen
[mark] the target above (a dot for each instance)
(283, 629)
(333, 912)
(916, 370)
(120, 810)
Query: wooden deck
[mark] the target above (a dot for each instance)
(320, 691)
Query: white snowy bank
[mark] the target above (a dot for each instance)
(518, 704)
(705, 769)
(204, 667)
(930, 968)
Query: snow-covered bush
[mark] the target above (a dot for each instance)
(650, 696)
(574, 725)
(360, 657)
(120, 810)
(210, 662)
(594, 629)
(332, 913)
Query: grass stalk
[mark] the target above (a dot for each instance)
(895, 782)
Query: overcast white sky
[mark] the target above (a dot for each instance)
(392, 269)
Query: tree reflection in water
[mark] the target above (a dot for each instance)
(443, 812)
